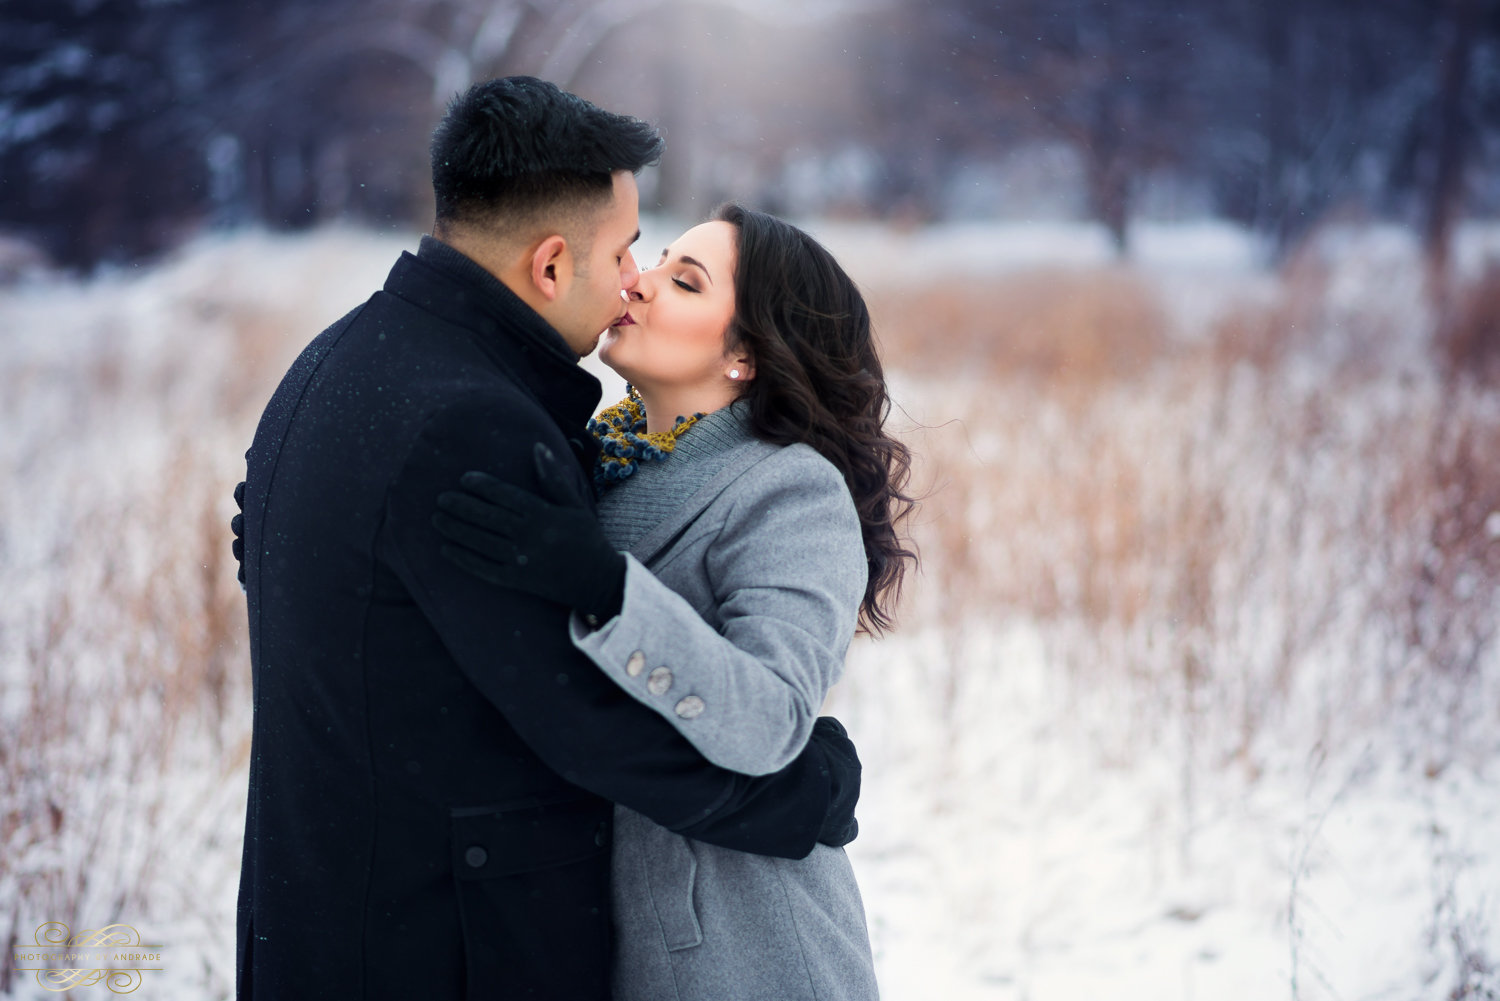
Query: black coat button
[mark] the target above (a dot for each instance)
(599, 834)
(476, 857)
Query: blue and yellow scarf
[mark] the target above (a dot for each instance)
(624, 440)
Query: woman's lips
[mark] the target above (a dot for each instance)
(624, 321)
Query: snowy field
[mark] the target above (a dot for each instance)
(1195, 697)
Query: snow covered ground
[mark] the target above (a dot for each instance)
(1002, 856)
(1195, 697)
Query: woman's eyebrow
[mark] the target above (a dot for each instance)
(697, 264)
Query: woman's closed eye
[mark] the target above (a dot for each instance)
(682, 284)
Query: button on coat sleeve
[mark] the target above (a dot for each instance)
(786, 569)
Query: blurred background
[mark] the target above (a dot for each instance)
(130, 124)
(1191, 313)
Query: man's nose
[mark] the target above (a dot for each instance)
(629, 272)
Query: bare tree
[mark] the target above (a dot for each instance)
(1112, 80)
(125, 124)
(1453, 126)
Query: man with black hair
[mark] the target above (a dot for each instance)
(434, 765)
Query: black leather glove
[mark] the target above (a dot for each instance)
(550, 546)
(839, 826)
(237, 526)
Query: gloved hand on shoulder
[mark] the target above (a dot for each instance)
(550, 545)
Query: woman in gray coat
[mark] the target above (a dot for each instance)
(753, 491)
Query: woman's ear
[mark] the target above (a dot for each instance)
(739, 367)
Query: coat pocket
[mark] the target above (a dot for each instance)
(672, 871)
(533, 890)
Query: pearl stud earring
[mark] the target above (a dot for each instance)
(734, 373)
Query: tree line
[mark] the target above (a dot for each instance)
(126, 124)
(1287, 109)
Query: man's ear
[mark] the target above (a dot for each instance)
(551, 267)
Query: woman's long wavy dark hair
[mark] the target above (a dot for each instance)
(818, 380)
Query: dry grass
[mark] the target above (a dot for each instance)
(1264, 557)
(1470, 336)
(1064, 328)
(1259, 530)
(129, 667)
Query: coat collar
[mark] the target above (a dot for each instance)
(445, 283)
(672, 528)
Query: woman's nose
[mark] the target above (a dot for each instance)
(643, 288)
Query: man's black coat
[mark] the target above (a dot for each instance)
(433, 762)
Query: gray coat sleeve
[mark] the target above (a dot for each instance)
(785, 569)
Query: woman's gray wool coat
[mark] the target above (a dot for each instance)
(746, 570)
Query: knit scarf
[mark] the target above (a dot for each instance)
(624, 440)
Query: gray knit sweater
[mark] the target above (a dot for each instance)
(638, 503)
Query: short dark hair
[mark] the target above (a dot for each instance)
(511, 149)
